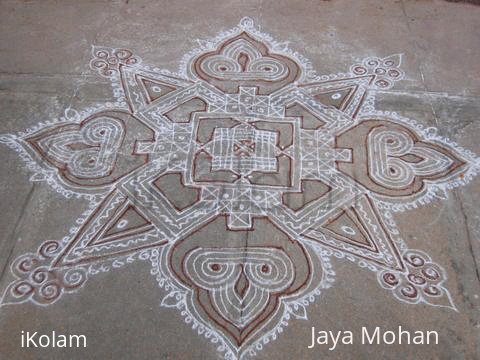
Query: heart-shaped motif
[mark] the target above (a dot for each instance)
(95, 152)
(391, 160)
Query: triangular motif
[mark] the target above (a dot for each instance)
(117, 227)
(356, 228)
(347, 227)
(143, 87)
(128, 222)
(346, 95)
(338, 98)
(154, 89)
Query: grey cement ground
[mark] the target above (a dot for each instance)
(44, 56)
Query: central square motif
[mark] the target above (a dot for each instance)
(255, 151)
(244, 149)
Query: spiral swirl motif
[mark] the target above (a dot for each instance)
(107, 61)
(414, 259)
(40, 282)
(50, 291)
(74, 278)
(49, 249)
(421, 279)
(385, 71)
(390, 279)
(40, 275)
(417, 280)
(22, 289)
(25, 264)
(431, 272)
(408, 291)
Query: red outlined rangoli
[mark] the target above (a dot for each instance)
(238, 178)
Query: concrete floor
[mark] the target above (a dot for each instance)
(46, 73)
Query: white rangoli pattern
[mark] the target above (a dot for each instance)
(238, 178)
